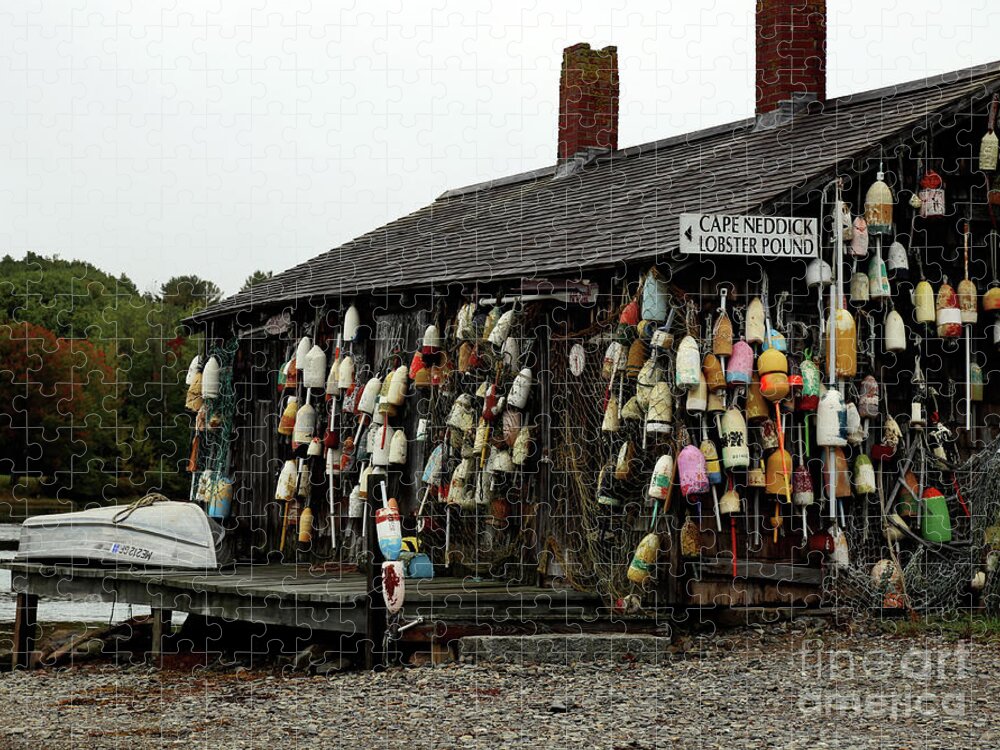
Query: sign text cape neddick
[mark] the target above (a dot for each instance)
(762, 236)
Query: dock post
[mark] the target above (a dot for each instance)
(162, 619)
(25, 625)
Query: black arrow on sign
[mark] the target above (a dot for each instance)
(689, 234)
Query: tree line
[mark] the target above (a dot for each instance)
(92, 378)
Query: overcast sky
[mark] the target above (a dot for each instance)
(159, 142)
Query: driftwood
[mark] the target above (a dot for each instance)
(53, 657)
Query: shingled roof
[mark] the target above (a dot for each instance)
(622, 207)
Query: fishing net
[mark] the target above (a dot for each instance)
(935, 577)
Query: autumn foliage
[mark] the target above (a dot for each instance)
(58, 405)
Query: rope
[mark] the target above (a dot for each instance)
(143, 502)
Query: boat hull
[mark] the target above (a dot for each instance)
(165, 534)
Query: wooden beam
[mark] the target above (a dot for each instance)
(162, 620)
(25, 626)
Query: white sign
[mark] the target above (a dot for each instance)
(761, 236)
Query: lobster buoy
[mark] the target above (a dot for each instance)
(722, 336)
(803, 494)
(735, 451)
(630, 314)
(345, 375)
(888, 578)
(302, 350)
(991, 299)
(649, 375)
(818, 274)
(332, 385)
(306, 525)
(193, 369)
(714, 377)
(611, 422)
(931, 194)
(287, 479)
(730, 502)
(693, 471)
(640, 570)
(713, 466)
(304, 425)
(697, 397)
(688, 365)
(949, 316)
(381, 442)
(740, 364)
(845, 332)
(398, 384)
(935, 522)
(878, 278)
(811, 381)
(461, 416)
(520, 390)
(393, 588)
(655, 297)
(897, 264)
(885, 449)
(859, 288)
(286, 424)
(923, 302)
(352, 325)
(660, 412)
(895, 332)
(778, 473)
(976, 385)
(662, 480)
(430, 344)
(878, 206)
(755, 329)
(988, 146)
(968, 301)
(193, 400)
(314, 368)
(864, 475)
(859, 242)
(210, 379)
(831, 420)
(390, 530)
(502, 329)
(773, 368)
(842, 475)
(398, 447)
(465, 322)
(368, 399)
(636, 358)
(855, 432)
(868, 398)
(758, 409)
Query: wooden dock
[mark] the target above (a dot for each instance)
(297, 596)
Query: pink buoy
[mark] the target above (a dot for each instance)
(693, 471)
(740, 366)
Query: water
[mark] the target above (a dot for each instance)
(63, 610)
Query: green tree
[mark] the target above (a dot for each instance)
(255, 278)
(190, 292)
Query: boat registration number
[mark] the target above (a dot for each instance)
(127, 550)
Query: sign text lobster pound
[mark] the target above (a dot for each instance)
(762, 236)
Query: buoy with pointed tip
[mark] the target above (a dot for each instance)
(895, 332)
(661, 481)
(755, 329)
(352, 325)
(210, 381)
(314, 368)
(193, 369)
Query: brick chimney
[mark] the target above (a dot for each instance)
(791, 56)
(588, 100)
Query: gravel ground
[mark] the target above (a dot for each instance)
(782, 687)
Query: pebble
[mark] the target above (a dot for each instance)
(738, 689)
